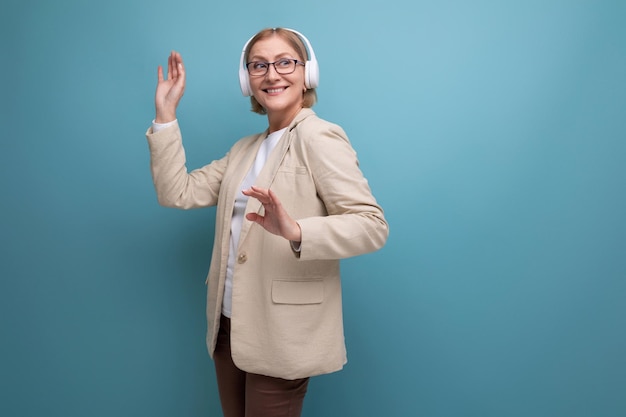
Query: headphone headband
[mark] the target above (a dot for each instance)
(311, 68)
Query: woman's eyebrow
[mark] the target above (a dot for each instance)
(264, 59)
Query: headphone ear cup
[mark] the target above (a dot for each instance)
(244, 82)
(311, 74)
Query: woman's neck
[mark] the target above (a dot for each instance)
(281, 120)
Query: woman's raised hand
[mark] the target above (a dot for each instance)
(169, 90)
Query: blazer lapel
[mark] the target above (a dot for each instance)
(270, 169)
(265, 179)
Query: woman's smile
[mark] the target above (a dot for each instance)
(275, 90)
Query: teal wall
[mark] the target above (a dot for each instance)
(492, 132)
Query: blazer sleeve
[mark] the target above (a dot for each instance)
(175, 186)
(355, 223)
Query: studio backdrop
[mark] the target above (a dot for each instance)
(491, 132)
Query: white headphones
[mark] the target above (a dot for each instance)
(311, 68)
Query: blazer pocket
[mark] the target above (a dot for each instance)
(298, 292)
(298, 170)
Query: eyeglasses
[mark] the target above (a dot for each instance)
(282, 66)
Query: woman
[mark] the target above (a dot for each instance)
(291, 202)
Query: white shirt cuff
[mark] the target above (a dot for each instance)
(160, 126)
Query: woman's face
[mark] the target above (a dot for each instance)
(280, 95)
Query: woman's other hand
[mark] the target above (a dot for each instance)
(169, 91)
(275, 220)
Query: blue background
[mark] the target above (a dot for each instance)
(492, 132)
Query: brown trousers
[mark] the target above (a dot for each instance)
(243, 394)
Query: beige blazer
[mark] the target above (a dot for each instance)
(286, 306)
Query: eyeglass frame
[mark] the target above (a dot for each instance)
(296, 62)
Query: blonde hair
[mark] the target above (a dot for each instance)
(309, 97)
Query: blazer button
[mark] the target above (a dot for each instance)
(242, 258)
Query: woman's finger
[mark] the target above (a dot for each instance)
(180, 74)
(170, 65)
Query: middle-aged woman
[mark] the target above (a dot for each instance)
(291, 201)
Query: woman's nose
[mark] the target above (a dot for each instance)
(272, 74)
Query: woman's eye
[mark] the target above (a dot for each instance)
(259, 65)
(284, 63)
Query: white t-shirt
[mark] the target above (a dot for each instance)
(269, 143)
